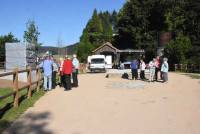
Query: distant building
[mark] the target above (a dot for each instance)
(119, 56)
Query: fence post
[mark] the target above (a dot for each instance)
(38, 78)
(15, 85)
(29, 82)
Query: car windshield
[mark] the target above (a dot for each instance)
(97, 61)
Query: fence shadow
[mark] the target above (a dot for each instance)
(30, 123)
(5, 108)
(9, 105)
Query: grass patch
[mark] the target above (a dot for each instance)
(193, 76)
(8, 113)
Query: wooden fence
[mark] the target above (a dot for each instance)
(189, 68)
(29, 85)
(2, 65)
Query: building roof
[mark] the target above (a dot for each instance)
(132, 51)
(107, 44)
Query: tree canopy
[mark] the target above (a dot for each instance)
(98, 30)
(4, 39)
(141, 21)
(31, 35)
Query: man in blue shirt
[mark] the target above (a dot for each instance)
(47, 66)
(134, 67)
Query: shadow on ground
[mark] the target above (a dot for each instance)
(6, 107)
(30, 123)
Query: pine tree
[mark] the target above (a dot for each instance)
(97, 31)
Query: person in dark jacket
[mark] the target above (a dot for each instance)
(158, 66)
(55, 70)
(67, 71)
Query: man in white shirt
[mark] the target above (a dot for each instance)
(142, 70)
(75, 64)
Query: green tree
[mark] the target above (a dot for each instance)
(192, 29)
(97, 31)
(84, 48)
(31, 35)
(4, 39)
(94, 29)
(192, 19)
(175, 16)
(183, 20)
(133, 25)
(107, 26)
(140, 21)
(113, 20)
(177, 49)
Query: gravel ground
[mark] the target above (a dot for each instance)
(116, 106)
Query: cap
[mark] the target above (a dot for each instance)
(74, 55)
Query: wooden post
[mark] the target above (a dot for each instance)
(29, 82)
(38, 78)
(15, 87)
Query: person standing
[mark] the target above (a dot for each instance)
(165, 69)
(47, 66)
(67, 70)
(60, 71)
(55, 70)
(134, 67)
(142, 69)
(157, 69)
(152, 68)
(75, 64)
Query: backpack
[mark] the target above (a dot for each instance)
(125, 76)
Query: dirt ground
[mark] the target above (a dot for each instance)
(9, 83)
(98, 106)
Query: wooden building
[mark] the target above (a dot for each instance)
(118, 56)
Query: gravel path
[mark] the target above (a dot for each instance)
(108, 106)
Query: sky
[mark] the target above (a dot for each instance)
(57, 20)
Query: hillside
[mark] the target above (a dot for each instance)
(70, 49)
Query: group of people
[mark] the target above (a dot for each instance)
(155, 66)
(65, 68)
(68, 67)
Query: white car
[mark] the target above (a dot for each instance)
(125, 65)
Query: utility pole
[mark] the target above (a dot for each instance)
(59, 45)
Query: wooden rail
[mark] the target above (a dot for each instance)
(17, 89)
(189, 68)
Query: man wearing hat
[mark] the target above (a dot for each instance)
(67, 70)
(164, 70)
(75, 64)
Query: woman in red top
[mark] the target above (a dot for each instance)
(67, 70)
(157, 63)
